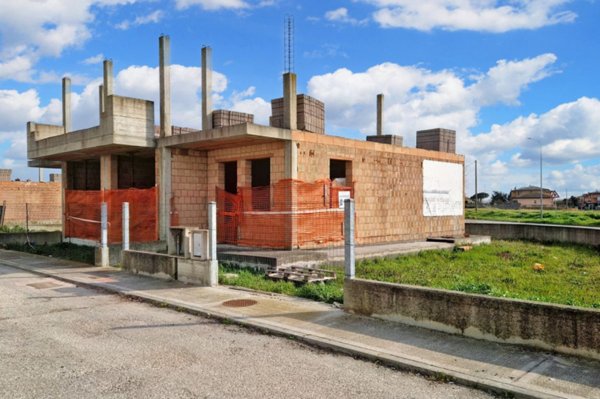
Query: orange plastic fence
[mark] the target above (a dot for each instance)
(287, 214)
(82, 214)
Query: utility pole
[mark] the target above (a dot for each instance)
(476, 190)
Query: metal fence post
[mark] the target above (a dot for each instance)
(212, 243)
(125, 226)
(349, 255)
(103, 255)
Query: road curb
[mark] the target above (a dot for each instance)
(423, 368)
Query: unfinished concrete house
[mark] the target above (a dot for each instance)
(277, 186)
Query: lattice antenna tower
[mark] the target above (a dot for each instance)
(288, 47)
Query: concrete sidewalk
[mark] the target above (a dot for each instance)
(501, 368)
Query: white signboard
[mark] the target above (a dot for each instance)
(343, 196)
(442, 189)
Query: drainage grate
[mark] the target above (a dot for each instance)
(239, 303)
(41, 286)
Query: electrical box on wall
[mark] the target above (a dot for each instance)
(199, 244)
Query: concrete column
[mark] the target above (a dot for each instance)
(291, 172)
(212, 243)
(163, 155)
(64, 185)
(164, 57)
(206, 88)
(108, 79)
(101, 99)
(66, 104)
(108, 172)
(349, 255)
(290, 107)
(125, 225)
(380, 114)
(40, 175)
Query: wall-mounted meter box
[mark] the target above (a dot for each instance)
(199, 244)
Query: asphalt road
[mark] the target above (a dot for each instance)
(62, 341)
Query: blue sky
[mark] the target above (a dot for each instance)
(498, 72)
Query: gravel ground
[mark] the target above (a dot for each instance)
(62, 341)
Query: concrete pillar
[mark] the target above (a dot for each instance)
(290, 107)
(64, 185)
(291, 172)
(380, 114)
(206, 88)
(163, 156)
(101, 98)
(164, 57)
(212, 243)
(349, 245)
(40, 175)
(125, 225)
(108, 79)
(108, 172)
(66, 104)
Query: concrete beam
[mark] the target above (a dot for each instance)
(108, 78)
(66, 104)
(164, 56)
(379, 114)
(206, 88)
(290, 106)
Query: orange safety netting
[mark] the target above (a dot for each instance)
(287, 214)
(82, 214)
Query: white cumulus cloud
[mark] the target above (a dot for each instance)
(494, 16)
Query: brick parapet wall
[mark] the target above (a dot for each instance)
(44, 199)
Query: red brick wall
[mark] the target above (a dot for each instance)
(388, 186)
(189, 188)
(44, 201)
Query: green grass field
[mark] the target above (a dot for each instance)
(571, 273)
(566, 217)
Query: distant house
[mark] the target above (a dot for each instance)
(529, 197)
(590, 200)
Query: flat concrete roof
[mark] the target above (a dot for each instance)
(227, 136)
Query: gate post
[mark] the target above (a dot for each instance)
(349, 255)
(102, 252)
(212, 243)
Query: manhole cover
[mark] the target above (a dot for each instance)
(239, 303)
(41, 286)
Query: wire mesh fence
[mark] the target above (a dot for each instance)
(82, 214)
(299, 226)
(29, 216)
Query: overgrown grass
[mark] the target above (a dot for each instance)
(12, 229)
(566, 217)
(570, 275)
(255, 279)
(65, 250)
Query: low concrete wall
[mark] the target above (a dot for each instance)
(38, 237)
(538, 232)
(201, 272)
(151, 264)
(171, 267)
(553, 327)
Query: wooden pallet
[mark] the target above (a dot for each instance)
(301, 274)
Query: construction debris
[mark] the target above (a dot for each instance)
(300, 274)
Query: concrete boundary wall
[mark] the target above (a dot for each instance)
(38, 237)
(169, 267)
(537, 232)
(560, 328)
